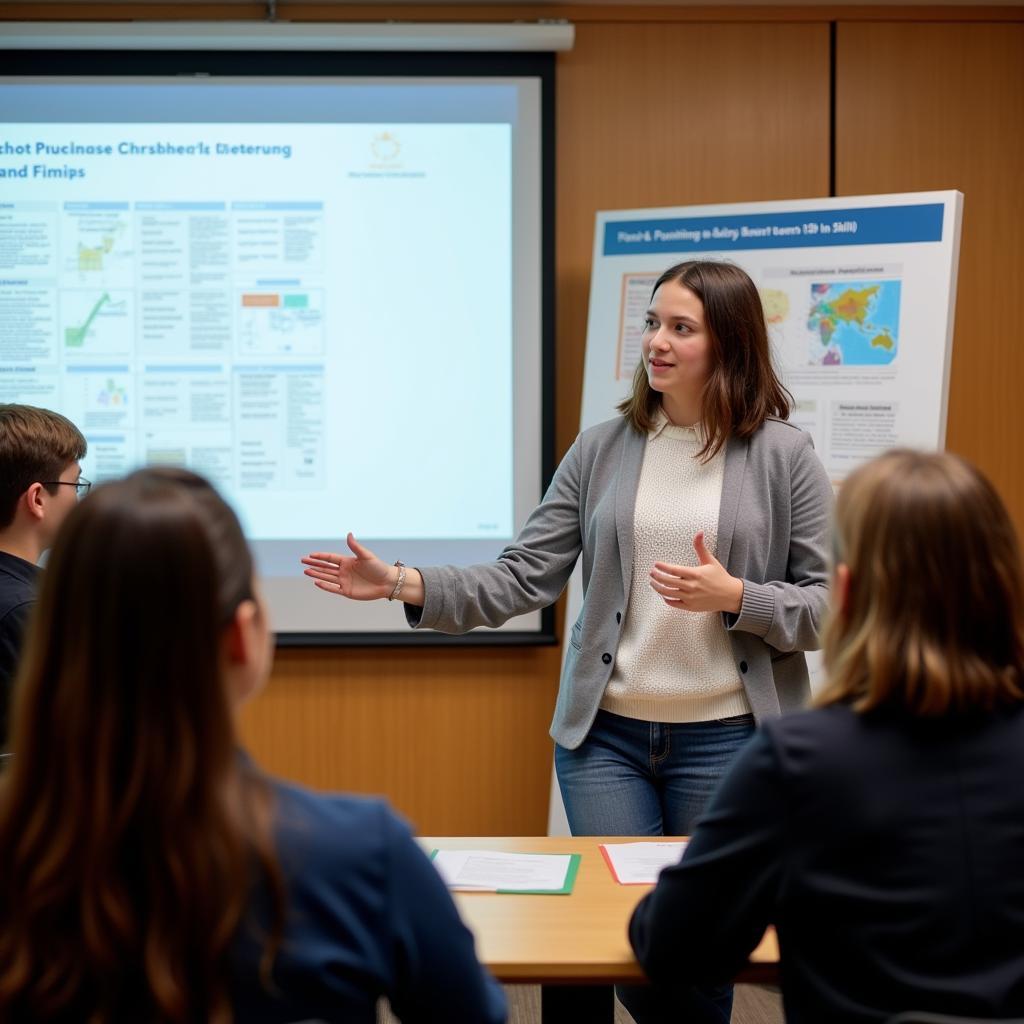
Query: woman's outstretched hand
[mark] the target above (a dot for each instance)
(363, 577)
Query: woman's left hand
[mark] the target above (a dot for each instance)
(705, 587)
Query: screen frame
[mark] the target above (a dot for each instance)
(303, 63)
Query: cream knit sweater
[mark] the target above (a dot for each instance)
(673, 665)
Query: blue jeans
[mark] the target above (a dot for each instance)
(635, 778)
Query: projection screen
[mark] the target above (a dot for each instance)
(322, 281)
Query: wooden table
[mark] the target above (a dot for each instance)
(575, 940)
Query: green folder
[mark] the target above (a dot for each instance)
(570, 877)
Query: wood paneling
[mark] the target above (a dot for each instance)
(939, 107)
(456, 738)
(667, 115)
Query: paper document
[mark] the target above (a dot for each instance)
(493, 871)
(640, 863)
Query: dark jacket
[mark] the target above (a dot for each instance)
(367, 916)
(17, 595)
(887, 851)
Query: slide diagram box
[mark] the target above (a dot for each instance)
(196, 397)
(97, 323)
(208, 452)
(183, 244)
(274, 236)
(176, 323)
(30, 385)
(28, 323)
(280, 427)
(112, 455)
(97, 244)
(99, 397)
(273, 322)
(28, 239)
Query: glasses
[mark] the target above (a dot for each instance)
(81, 486)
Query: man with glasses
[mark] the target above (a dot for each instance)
(40, 481)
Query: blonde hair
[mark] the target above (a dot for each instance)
(933, 621)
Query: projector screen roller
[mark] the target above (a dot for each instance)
(324, 293)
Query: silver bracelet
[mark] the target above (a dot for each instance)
(399, 583)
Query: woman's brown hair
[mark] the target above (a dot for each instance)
(933, 622)
(131, 831)
(742, 389)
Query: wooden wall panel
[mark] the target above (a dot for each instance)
(939, 107)
(456, 740)
(672, 114)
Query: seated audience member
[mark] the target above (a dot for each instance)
(39, 482)
(883, 832)
(149, 872)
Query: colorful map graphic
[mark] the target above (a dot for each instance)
(854, 323)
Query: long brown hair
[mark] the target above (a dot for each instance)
(742, 389)
(131, 831)
(934, 619)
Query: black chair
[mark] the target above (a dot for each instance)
(943, 1018)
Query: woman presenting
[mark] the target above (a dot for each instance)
(703, 520)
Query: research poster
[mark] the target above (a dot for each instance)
(858, 294)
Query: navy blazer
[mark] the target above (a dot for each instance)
(887, 851)
(367, 916)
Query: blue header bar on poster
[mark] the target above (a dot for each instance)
(801, 229)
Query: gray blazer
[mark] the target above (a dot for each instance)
(773, 533)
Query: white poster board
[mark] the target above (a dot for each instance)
(859, 294)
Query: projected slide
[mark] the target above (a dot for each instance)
(310, 303)
(214, 307)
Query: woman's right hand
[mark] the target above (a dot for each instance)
(362, 578)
